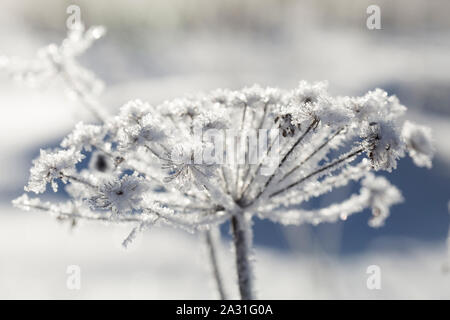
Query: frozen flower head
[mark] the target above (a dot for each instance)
(51, 166)
(307, 93)
(381, 196)
(418, 143)
(311, 105)
(384, 145)
(120, 195)
(137, 125)
(84, 136)
(184, 108)
(254, 96)
(131, 137)
(325, 140)
(211, 119)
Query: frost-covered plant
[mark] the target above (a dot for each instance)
(59, 62)
(154, 164)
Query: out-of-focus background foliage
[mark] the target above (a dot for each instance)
(157, 50)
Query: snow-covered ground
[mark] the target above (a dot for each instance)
(35, 250)
(166, 264)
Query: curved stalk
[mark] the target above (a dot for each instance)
(211, 246)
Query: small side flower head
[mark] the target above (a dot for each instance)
(120, 195)
(50, 166)
(418, 143)
(84, 136)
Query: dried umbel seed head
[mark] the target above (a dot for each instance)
(324, 137)
(383, 144)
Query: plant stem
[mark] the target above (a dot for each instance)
(242, 242)
(321, 169)
(211, 246)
